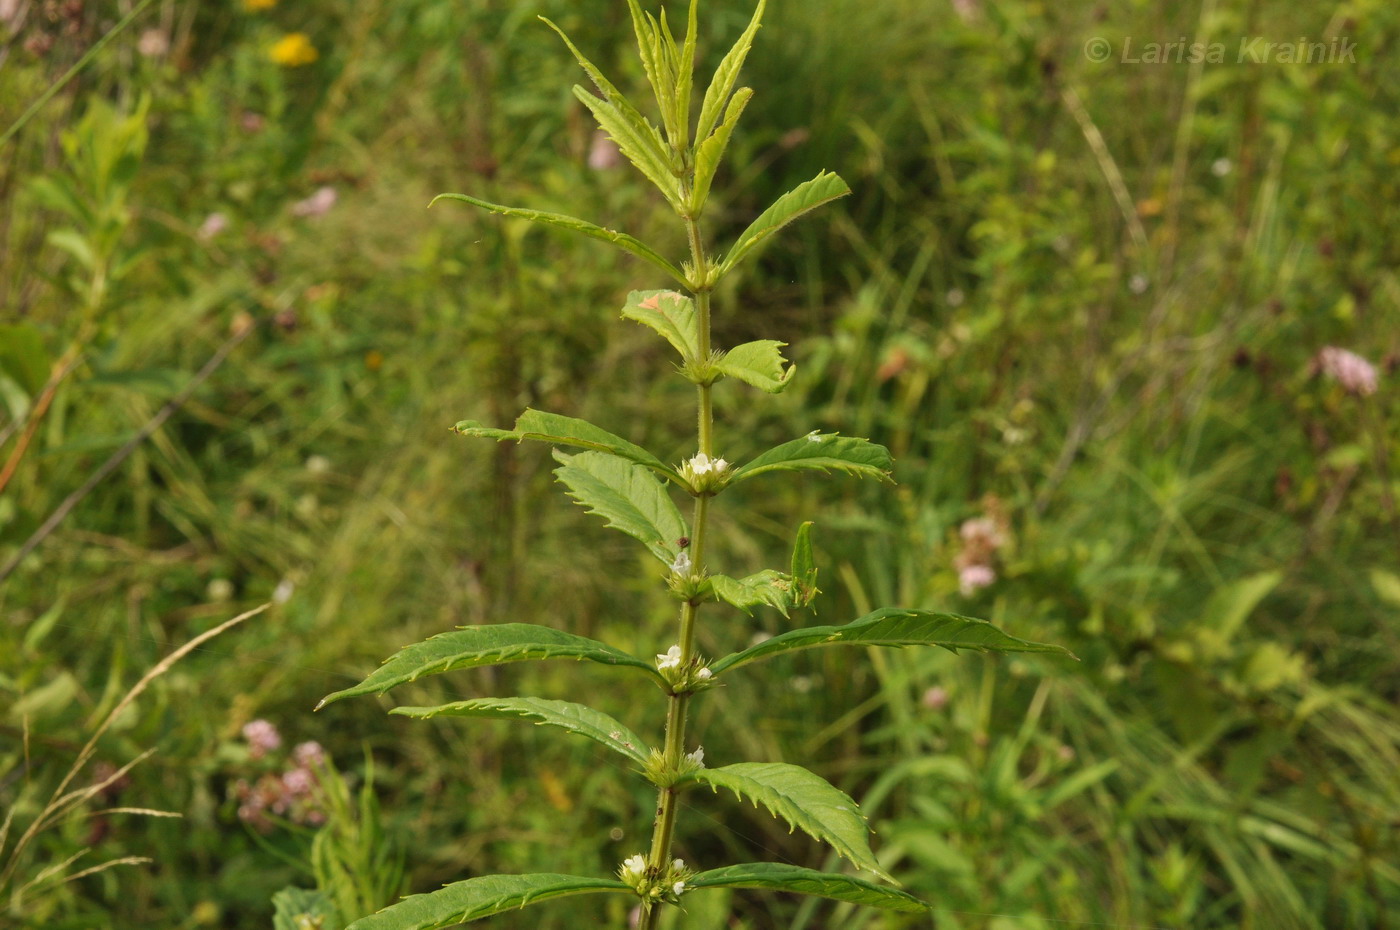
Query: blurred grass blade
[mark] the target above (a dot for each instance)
(635, 246)
(475, 646)
(481, 897)
(576, 718)
(893, 626)
(781, 877)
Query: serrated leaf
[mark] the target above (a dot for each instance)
(576, 718)
(669, 313)
(637, 138)
(710, 153)
(474, 646)
(726, 75)
(802, 199)
(476, 898)
(569, 431)
(627, 496)
(805, 800)
(573, 224)
(765, 588)
(685, 76)
(758, 363)
(649, 47)
(636, 143)
(780, 877)
(892, 626)
(822, 452)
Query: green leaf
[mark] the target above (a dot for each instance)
(685, 76)
(576, 718)
(822, 451)
(627, 496)
(892, 626)
(569, 431)
(804, 567)
(725, 77)
(496, 644)
(765, 588)
(635, 246)
(805, 881)
(759, 364)
(670, 313)
(23, 358)
(802, 199)
(803, 799)
(638, 139)
(481, 897)
(710, 152)
(649, 45)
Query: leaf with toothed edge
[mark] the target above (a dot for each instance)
(628, 496)
(671, 314)
(822, 452)
(803, 799)
(576, 718)
(893, 626)
(780, 877)
(759, 364)
(802, 199)
(475, 646)
(570, 431)
(480, 897)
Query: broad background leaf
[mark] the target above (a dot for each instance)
(576, 718)
(475, 646)
(893, 626)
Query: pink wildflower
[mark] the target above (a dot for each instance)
(1355, 374)
(262, 737)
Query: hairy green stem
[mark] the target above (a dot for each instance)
(678, 704)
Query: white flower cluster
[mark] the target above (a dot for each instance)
(682, 564)
(704, 473)
(671, 659)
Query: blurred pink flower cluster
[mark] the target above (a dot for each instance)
(291, 793)
(1355, 374)
(981, 537)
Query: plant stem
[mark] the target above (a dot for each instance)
(678, 704)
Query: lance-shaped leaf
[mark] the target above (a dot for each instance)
(892, 626)
(570, 431)
(802, 199)
(627, 496)
(476, 898)
(822, 452)
(759, 364)
(496, 644)
(780, 877)
(803, 799)
(576, 718)
(635, 136)
(765, 588)
(671, 314)
(804, 567)
(726, 75)
(710, 153)
(573, 224)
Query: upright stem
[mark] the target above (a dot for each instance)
(678, 704)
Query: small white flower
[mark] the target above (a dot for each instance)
(677, 888)
(702, 464)
(633, 868)
(672, 659)
(682, 564)
(1221, 167)
(704, 674)
(677, 864)
(697, 757)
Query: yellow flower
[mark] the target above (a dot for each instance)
(254, 5)
(293, 50)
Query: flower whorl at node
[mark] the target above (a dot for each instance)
(669, 885)
(683, 677)
(704, 474)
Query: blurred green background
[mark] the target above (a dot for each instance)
(1083, 302)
